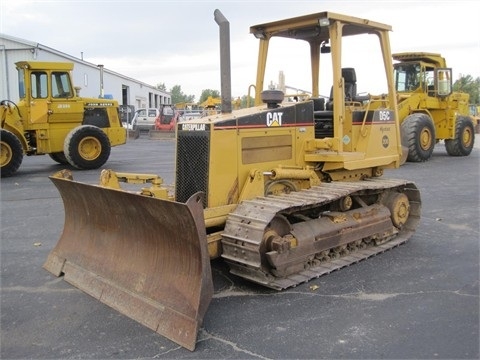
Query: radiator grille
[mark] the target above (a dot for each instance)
(192, 164)
(97, 117)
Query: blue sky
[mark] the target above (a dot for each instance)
(176, 42)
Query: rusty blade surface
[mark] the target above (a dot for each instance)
(145, 257)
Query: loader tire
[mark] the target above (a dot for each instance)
(418, 135)
(11, 153)
(59, 157)
(87, 147)
(462, 143)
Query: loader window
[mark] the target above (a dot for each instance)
(407, 77)
(444, 82)
(38, 80)
(61, 87)
(21, 84)
(429, 80)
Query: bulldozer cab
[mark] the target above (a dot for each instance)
(345, 122)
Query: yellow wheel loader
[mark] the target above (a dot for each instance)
(283, 191)
(429, 110)
(474, 111)
(51, 119)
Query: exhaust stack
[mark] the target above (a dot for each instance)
(225, 74)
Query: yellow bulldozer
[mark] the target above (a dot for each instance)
(429, 110)
(51, 119)
(283, 191)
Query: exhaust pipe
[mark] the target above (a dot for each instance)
(225, 77)
(102, 91)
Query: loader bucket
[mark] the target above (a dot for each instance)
(145, 257)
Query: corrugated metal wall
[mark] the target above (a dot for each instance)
(125, 90)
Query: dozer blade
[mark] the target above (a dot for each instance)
(145, 257)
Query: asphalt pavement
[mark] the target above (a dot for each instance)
(416, 301)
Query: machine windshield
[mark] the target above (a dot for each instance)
(407, 77)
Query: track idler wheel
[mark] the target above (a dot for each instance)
(399, 207)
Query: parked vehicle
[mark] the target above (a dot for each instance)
(52, 119)
(428, 108)
(145, 118)
(475, 114)
(284, 191)
(127, 113)
(167, 118)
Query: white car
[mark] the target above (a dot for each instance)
(144, 119)
(132, 125)
(126, 116)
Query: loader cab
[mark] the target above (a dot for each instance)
(41, 83)
(421, 77)
(46, 92)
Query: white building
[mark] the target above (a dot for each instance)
(87, 76)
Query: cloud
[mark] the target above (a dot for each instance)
(176, 42)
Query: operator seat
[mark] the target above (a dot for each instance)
(350, 82)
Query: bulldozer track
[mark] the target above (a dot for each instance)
(243, 237)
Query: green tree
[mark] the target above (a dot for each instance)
(247, 101)
(178, 96)
(470, 86)
(208, 92)
(161, 87)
